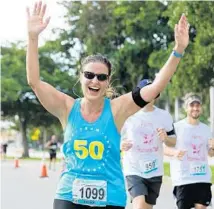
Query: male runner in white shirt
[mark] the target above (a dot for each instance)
(143, 136)
(190, 172)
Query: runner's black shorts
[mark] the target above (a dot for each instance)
(64, 204)
(190, 194)
(53, 155)
(4, 147)
(150, 188)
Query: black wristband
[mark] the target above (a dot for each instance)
(172, 132)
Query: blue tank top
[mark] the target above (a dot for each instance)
(93, 174)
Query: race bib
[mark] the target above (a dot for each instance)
(198, 169)
(53, 147)
(89, 192)
(149, 166)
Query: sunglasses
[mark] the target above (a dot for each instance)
(100, 77)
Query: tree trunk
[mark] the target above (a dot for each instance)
(212, 110)
(176, 109)
(23, 128)
(167, 103)
(167, 106)
(44, 138)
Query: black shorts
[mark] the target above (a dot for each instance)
(52, 156)
(64, 204)
(4, 148)
(190, 194)
(150, 188)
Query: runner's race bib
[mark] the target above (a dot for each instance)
(90, 192)
(198, 169)
(53, 147)
(149, 166)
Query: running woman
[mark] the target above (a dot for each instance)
(93, 176)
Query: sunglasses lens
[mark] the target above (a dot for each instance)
(89, 75)
(102, 77)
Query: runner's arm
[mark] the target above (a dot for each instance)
(168, 151)
(150, 92)
(47, 145)
(53, 100)
(211, 147)
(211, 152)
(170, 141)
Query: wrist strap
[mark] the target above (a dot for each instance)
(176, 54)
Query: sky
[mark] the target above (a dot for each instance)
(13, 19)
(13, 23)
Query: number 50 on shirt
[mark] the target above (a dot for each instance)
(94, 149)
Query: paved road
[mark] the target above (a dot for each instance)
(22, 188)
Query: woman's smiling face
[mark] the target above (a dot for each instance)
(94, 80)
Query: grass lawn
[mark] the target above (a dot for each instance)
(167, 171)
(166, 166)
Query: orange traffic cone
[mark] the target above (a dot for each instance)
(44, 172)
(16, 162)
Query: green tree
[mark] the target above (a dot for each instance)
(196, 70)
(17, 96)
(127, 32)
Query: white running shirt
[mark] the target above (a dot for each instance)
(193, 168)
(145, 158)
